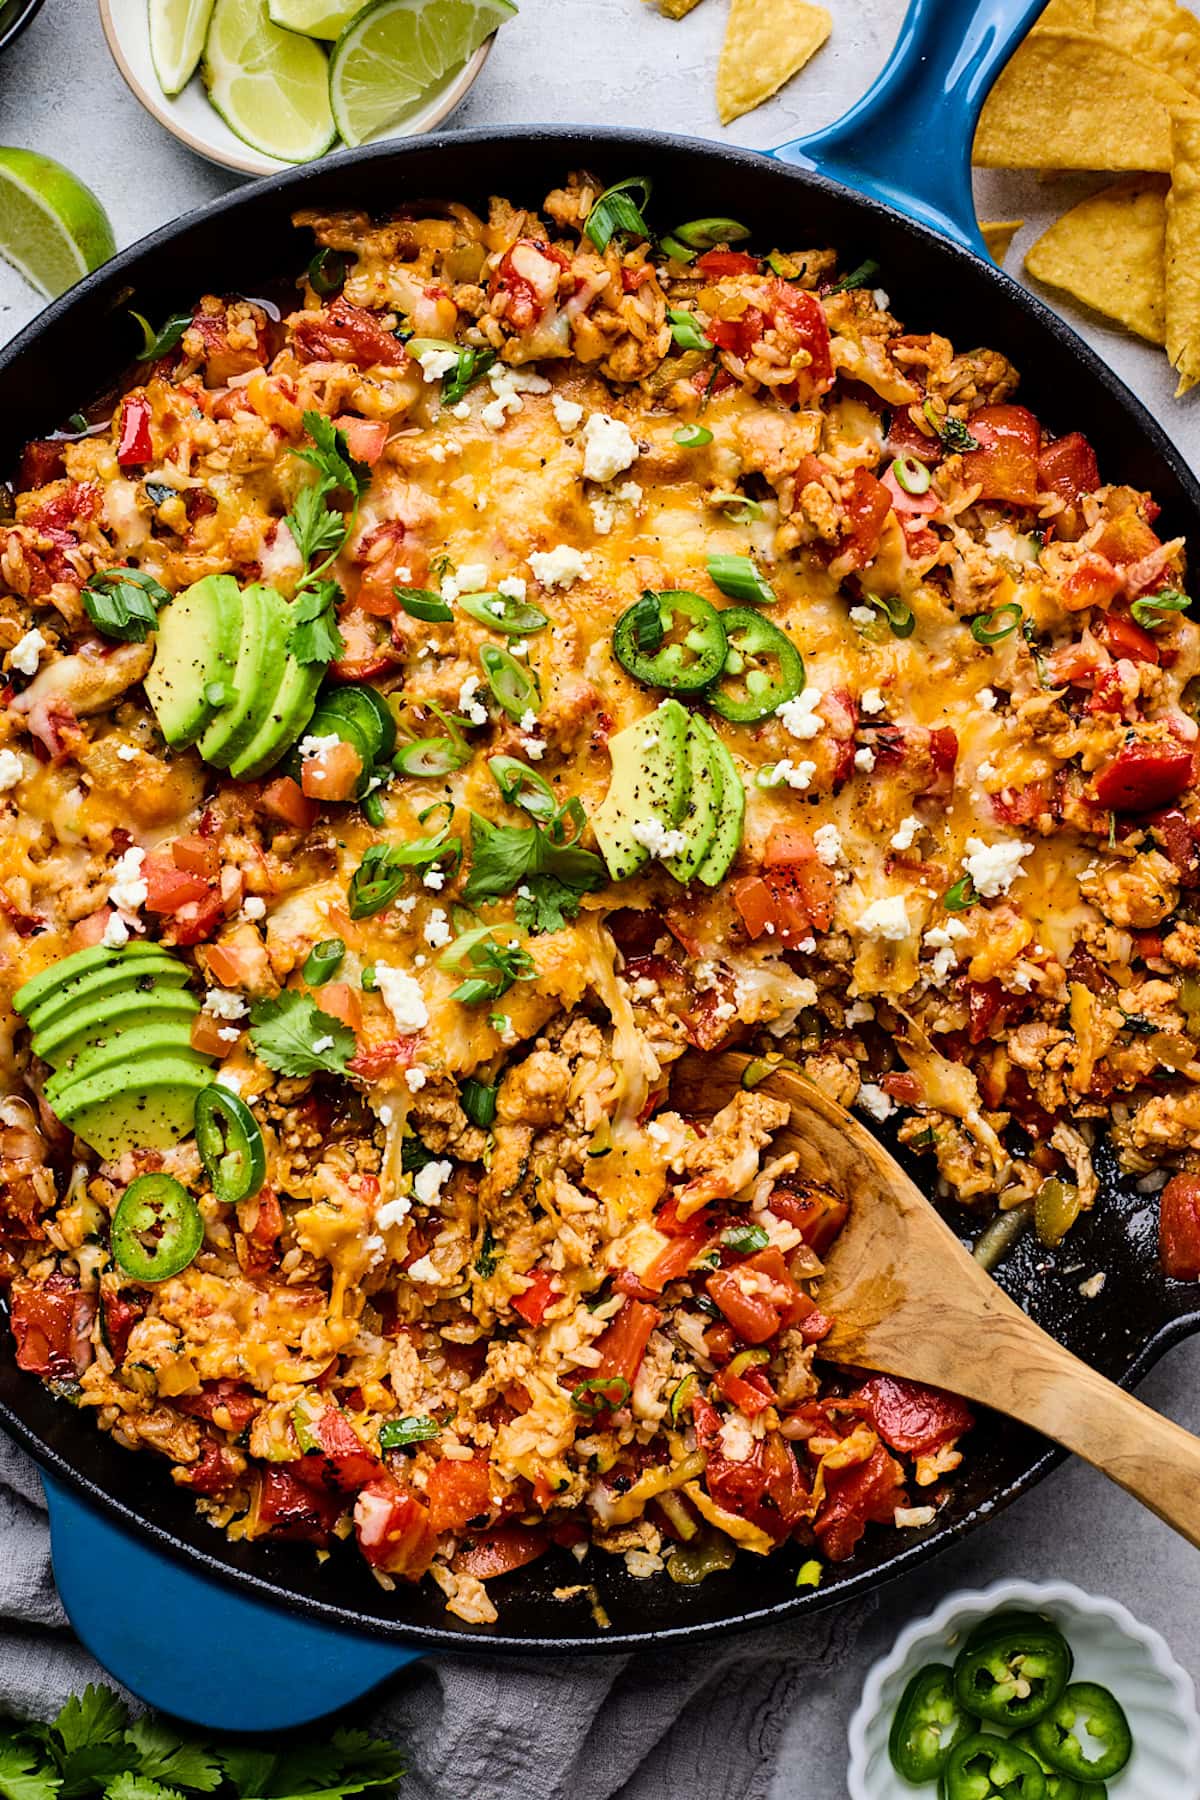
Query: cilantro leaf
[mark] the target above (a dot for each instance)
(91, 1767)
(547, 905)
(506, 856)
(301, 1769)
(131, 1786)
(285, 1034)
(164, 1756)
(495, 968)
(249, 1769)
(124, 603)
(97, 1716)
(315, 527)
(315, 637)
(488, 1259)
(366, 1755)
(330, 453)
(23, 1776)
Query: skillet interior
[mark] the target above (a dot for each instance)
(245, 244)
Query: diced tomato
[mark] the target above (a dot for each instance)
(626, 1282)
(260, 1220)
(912, 1418)
(215, 1471)
(41, 462)
(501, 1551)
(1021, 806)
(1179, 1228)
(867, 1493)
(907, 439)
(789, 903)
(622, 1344)
(365, 438)
(196, 855)
(345, 333)
(1006, 463)
(85, 933)
(381, 1059)
(341, 1459)
(739, 335)
(910, 506)
(799, 317)
(240, 960)
(759, 1297)
(767, 1488)
(168, 887)
(332, 773)
(1093, 581)
(675, 1261)
(989, 1003)
(751, 1393)
(393, 1529)
(667, 1219)
(229, 1404)
(368, 653)
(341, 1001)
(818, 1216)
(1120, 634)
(815, 1325)
(1143, 777)
(866, 507)
(1174, 831)
(386, 562)
(196, 920)
(458, 1492)
(1068, 467)
(134, 445)
(526, 281)
(789, 844)
(50, 1322)
(206, 1036)
(288, 1509)
(541, 1293)
(1108, 692)
(119, 1313)
(1127, 539)
(284, 799)
(716, 263)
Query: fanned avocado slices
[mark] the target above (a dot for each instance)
(195, 655)
(266, 622)
(649, 788)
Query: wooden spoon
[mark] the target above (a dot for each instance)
(907, 1299)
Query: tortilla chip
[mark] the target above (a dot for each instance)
(1158, 32)
(677, 9)
(1069, 100)
(998, 237)
(1108, 253)
(1068, 15)
(1183, 254)
(766, 43)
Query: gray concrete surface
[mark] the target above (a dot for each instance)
(619, 61)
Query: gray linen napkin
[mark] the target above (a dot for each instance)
(705, 1723)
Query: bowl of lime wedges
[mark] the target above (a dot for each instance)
(256, 85)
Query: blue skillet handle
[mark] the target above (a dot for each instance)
(193, 1647)
(908, 141)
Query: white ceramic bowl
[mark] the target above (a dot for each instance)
(190, 118)
(1110, 1646)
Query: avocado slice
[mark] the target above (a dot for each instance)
(650, 784)
(266, 621)
(131, 1049)
(62, 977)
(699, 822)
(731, 815)
(113, 1114)
(289, 714)
(145, 975)
(197, 644)
(102, 1016)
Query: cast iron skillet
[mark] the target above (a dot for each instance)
(14, 17)
(245, 243)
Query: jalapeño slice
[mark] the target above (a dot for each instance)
(762, 668)
(674, 640)
(1086, 1710)
(1013, 1678)
(992, 1768)
(231, 1145)
(156, 1229)
(928, 1720)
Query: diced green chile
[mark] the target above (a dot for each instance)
(157, 1229)
(231, 1145)
(928, 1720)
(992, 1768)
(762, 668)
(1013, 1679)
(691, 650)
(1056, 1736)
(323, 961)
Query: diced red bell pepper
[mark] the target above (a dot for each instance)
(1068, 467)
(229, 1404)
(751, 1392)
(1179, 1228)
(866, 507)
(622, 1344)
(716, 263)
(818, 1216)
(134, 445)
(501, 1551)
(1006, 463)
(675, 1261)
(341, 1459)
(50, 1321)
(912, 1418)
(1143, 776)
(541, 1293)
(1123, 637)
(289, 1509)
(458, 1492)
(867, 1493)
(393, 1529)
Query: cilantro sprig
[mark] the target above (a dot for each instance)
(319, 530)
(294, 1037)
(93, 1748)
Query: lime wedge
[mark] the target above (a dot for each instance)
(178, 29)
(52, 228)
(314, 18)
(271, 87)
(398, 52)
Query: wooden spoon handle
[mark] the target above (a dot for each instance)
(1035, 1380)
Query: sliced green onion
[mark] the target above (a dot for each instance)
(677, 251)
(513, 687)
(960, 896)
(693, 437)
(866, 275)
(911, 474)
(996, 1239)
(327, 273)
(159, 343)
(645, 616)
(123, 603)
(993, 627)
(423, 603)
(952, 432)
(218, 693)
(740, 508)
(429, 758)
(809, 1573)
(706, 234)
(737, 577)
(368, 980)
(685, 330)
(786, 267)
(756, 1071)
(517, 618)
(1153, 610)
(899, 615)
(681, 1393)
(478, 1101)
(617, 213)
(744, 1240)
(415, 1428)
(323, 961)
(372, 807)
(524, 787)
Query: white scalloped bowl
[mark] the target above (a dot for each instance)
(1111, 1647)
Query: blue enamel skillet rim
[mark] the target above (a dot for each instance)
(165, 1602)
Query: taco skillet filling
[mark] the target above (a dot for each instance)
(431, 712)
